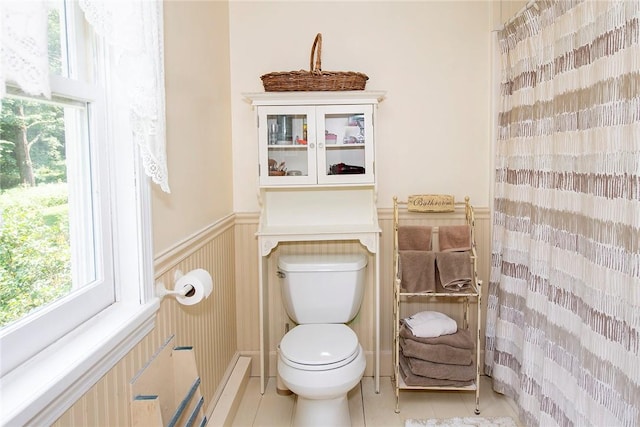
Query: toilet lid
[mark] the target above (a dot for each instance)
(319, 346)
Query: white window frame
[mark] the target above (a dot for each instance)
(52, 322)
(39, 381)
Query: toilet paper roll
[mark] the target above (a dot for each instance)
(200, 281)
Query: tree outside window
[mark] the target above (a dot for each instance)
(35, 252)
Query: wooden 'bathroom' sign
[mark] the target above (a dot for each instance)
(431, 203)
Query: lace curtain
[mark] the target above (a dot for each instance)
(133, 29)
(563, 317)
(23, 46)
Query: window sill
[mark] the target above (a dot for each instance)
(39, 391)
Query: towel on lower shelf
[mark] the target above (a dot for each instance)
(454, 238)
(417, 271)
(460, 339)
(416, 380)
(454, 269)
(441, 371)
(414, 237)
(429, 324)
(436, 353)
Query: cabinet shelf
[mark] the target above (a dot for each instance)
(287, 147)
(471, 292)
(316, 98)
(403, 386)
(344, 146)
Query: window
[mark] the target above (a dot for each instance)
(75, 241)
(56, 228)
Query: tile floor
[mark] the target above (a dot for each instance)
(375, 410)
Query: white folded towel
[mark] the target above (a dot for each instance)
(431, 324)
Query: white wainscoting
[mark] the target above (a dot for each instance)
(226, 325)
(247, 292)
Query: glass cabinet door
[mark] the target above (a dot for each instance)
(345, 144)
(287, 146)
(329, 144)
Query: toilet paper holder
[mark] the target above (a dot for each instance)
(180, 291)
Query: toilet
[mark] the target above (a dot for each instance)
(321, 359)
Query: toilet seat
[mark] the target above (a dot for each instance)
(319, 347)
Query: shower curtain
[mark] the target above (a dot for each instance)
(563, 317)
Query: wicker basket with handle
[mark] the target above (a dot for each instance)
(315, 79)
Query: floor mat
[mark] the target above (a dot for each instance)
(462, 422)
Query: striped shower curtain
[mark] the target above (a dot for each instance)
(563, 318)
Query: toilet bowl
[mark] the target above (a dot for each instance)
(321, 360)
(321, 363)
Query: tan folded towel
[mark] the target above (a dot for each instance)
(461, 339)
(436, 353)
(414, 238)
(441, 371)
(454, 238)
(454, 269)
(416, 380)
(417, 271)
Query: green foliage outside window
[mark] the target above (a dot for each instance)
(34, 249)
(34, 236)
(35, 256)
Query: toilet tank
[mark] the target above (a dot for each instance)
(322, 288)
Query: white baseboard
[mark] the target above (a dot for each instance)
(225, 410)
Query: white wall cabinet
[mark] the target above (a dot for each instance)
(308, 145)
(317, 183)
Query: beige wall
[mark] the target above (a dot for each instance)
(198, 122)
(505, 10)
(433, 59)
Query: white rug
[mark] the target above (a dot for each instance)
(462, 422)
